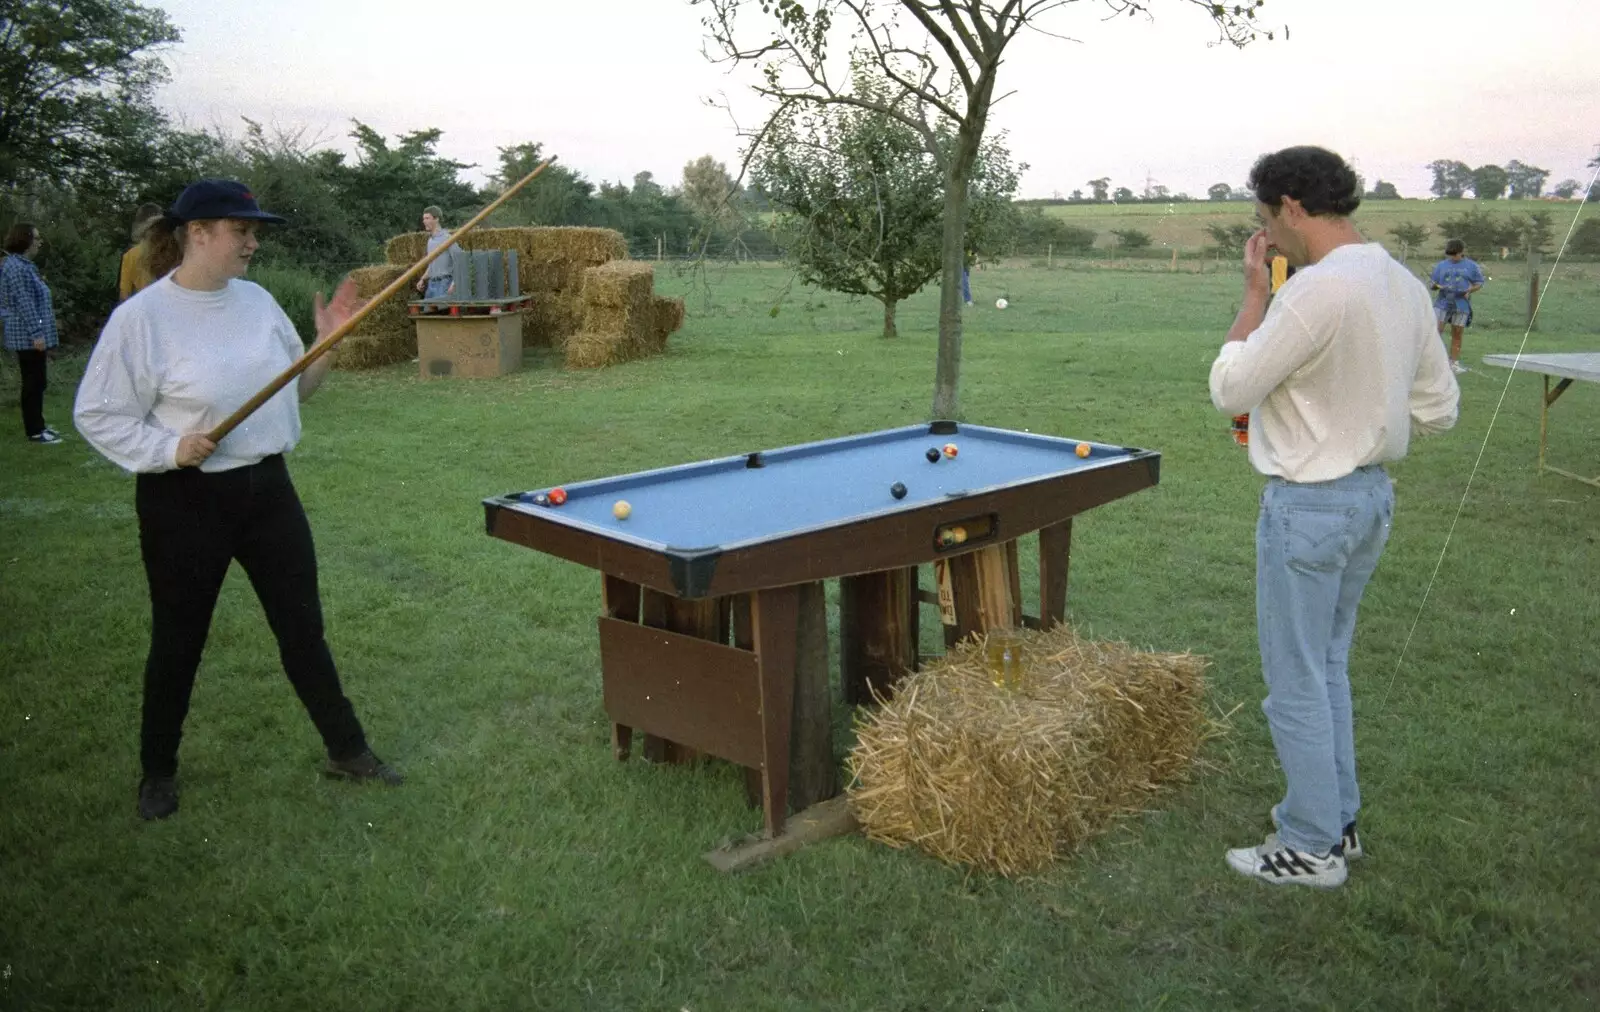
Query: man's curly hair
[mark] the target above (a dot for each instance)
(1316, 177)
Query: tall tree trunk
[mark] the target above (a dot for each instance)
(888, 317)
(947, 375)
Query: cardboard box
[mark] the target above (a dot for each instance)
(473, 347)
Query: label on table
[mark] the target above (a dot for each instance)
(947, 597)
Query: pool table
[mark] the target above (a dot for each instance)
(736, 548)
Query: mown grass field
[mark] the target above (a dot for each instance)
(522, 867)
(1183, 225)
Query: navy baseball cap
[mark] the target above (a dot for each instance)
(218, 198)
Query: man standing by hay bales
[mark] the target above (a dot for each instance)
(440, 279)
(1335, 376)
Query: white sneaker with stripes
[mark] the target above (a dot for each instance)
(1274, 862)
(1350, 842)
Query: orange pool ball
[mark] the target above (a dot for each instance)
(1083, 449)
(950, 450)
(558, 496)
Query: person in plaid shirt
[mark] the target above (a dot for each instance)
(29, 319)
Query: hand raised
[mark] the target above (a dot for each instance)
(345, 304)
(1256, 272)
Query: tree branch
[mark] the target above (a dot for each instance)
(943, 40)
(924, 91)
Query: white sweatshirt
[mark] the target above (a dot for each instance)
(1346, 363)
(172, 361)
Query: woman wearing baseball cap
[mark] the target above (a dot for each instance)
(169, 366)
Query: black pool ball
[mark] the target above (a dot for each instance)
(932, 455)
(897, 490)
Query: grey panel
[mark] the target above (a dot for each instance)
(497, 274)
(480, 275)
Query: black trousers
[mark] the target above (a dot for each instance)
(34, 381)
(192, 525)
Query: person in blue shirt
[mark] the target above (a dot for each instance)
(439, 283)
(1455, 278)
(29, 320)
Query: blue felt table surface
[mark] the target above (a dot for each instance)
(723, 502)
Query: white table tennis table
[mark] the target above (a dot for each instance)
(1565, 366)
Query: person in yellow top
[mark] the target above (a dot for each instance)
(135, 273)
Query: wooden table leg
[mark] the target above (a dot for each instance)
(792, 648)
(744, 638)
(813, 775)
(1544, 421)
(620, 600)
(774, 626)
(1550, 397)
(1055, 554)
(1014, 578)
(878, 620)
(962, 573)
(981, 583)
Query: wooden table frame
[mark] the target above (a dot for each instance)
(1566, 367)
(671, 674)
(763, 701)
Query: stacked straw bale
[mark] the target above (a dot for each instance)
(1005, 778)
(550, 266)
(623, 318)
(588, 299)
(668, 318)
(386, 334)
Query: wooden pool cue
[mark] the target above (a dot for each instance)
(339, 333)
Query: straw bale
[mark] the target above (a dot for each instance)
(589, 350)
(667, 319)
(369, 352)
(1005, 778)
(618, 300)
(587, 246)
(534, 244)
(551, 321)
(369, 281)
(386, 334)
(405, 250)
(618, 283)
(550, 266)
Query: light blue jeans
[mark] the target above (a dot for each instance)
(1317, 544)
(438, 288)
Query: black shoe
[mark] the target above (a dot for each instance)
(158, 797)
(363, 767)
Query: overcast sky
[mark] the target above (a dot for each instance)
(618, 86)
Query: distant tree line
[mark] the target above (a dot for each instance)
(1516, 180)
(1102, 192)
(83, 143)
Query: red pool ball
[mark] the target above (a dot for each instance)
(558, 496)
(950, 450)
